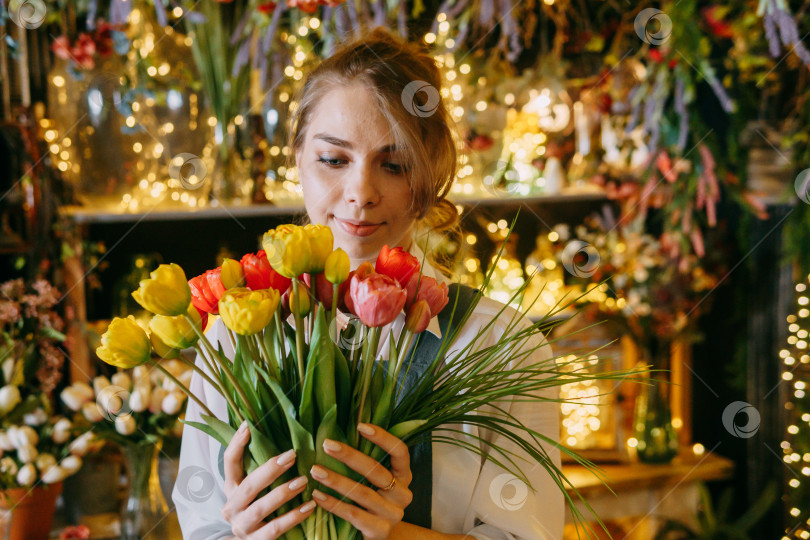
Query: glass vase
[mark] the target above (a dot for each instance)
(144, 515)
(654, 432)
(231, 182)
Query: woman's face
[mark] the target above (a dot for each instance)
(352, 178)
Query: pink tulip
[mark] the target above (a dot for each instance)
(362, 271)
(432, 292)
(377, 299)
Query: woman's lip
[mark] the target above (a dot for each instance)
(358, 230)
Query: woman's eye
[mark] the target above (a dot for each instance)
(394, 168)
(332, 162)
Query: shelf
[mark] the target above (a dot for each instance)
(109, 214)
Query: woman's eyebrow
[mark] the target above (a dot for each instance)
(331, 139)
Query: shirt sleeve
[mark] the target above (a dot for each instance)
(503, 507)
(199, 493)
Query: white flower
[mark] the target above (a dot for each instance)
(140, 375)
(61, 431)
(74, 398)
(9, 398)
(71, 465)
(122, 379)
(23, 436)
(26, 475)
(53, 474)
(5, 441)
(139, 398)
(156, 400)
(27, 453)
(84, 390)
(125, 424)
(100, 383)
(92, 412)
(8, 466)
(44, 461)
(36, 418)
(81, 444)
(172, 403)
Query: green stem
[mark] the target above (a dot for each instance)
(334, 310)
(226, 370)
(217, 386)
(181, 385)
(370, 355)
(224, 392)
(280, 341)
(299, 334)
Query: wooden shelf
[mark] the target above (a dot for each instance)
(110, 214)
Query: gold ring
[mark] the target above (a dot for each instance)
(390, 486)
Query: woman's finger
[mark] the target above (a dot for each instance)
(368, 524)
(284, 523)
(366, 497)
(398, 450)
(255, 482)
(252, 517)
(367, 466)
(232, 459)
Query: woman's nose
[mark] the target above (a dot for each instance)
(360, 189)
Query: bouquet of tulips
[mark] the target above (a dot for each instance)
(296, 377)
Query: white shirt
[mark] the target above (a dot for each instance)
(469, 497)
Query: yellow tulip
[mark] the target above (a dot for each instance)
(231, 274)
(248, 312)
(288, 250)
(166, 292)
(300, 303)
(320, 245)
(124, 344)
(177, 332)
(337, 267)
(161, 349)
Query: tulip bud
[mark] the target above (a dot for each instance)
(35, 418)
(44, 461)
(125, 424)
(156, 400)
(71, 465)
(122, 379)
(177, 332)
(397, 264)
(27, 453)
(8, 466)
(61, 431)
(377, 299)
(8, 369)
(247, 312)
(82, 443)
(288, 250)
(27, 435)
(139, 399)
(26, 475)
(140, 375)
(301, 303)
(231, 274)
(53, 474)
(111, 399)
(9, 398)
(84, 390)
(337, 267)
(100, 383)
(418, 317)
(72, 398)
(172, 403)
(92, 412)
(5, 441)
(166, 292)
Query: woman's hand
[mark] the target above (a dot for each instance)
(379, 510)
(241, 511)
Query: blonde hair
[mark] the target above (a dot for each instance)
(405, 83)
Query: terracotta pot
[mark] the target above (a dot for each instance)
(31, 510)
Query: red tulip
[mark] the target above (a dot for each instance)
(206, 290)
(323, 289)
(362, 271)
(266, 7)
(377, 299)
(398, 264)
(417, 318)
(260, 275)
(434, 293)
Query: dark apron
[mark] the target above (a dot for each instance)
(421, 452)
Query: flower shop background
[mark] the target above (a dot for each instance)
(661, 147)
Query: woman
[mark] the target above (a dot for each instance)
(375, 159)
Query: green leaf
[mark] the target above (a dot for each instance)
(330, 430)
(301, 438)
(322, 348)
(343, 388)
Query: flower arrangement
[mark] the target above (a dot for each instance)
(133, 406)
(316, 376)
